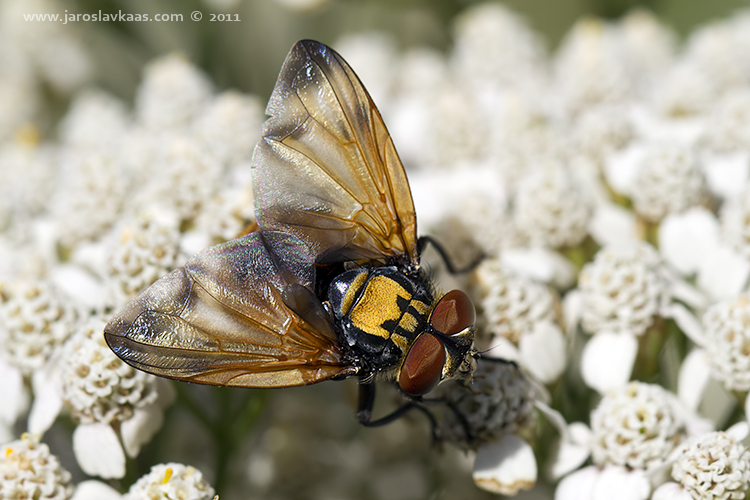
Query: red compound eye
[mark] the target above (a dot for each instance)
(453, 313)
(423, 366)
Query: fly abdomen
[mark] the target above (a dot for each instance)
(379, 312)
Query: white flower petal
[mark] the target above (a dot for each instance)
(98, 451)
(739, 431)
(671, 491)
(543, 352)
(540, 264)
(95, 490)
(607, 360)
(723, 272)
(579, 485)
(717, 403)
(686, 292)
(684, 239)
(48, 402)
(78, 284)
(571, 453)
(621, 168)
(619, 483)
(688, 323)
(141, 427)
(693, 378)
(505, 467)
(13, 394)
(613, 225)
(727, 174)
(504, 349)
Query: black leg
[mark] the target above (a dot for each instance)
(367, 400)
(422, 243)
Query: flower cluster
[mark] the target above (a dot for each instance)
(29, 470)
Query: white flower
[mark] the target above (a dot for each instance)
(64, 62)
(90, 197)
(224, 218)
(20, 95)
(29, 470)
(230, 127)
(717, 49)
(726, 342)
(522, 317)
(189, 175)
(715, 466)
(29, 181)
(551, 209)
(727, 128)
(591, 66)
(117, 407)
(456, 136)
(171, 481)
(95, 121)
(490, 414)
(494, 47)
(593, 483)
(603, 129)
(623, 289)
(635, 432)
(620, 295)
(720, 362)
(637, 427)
(145, 249)
(685, 90)
(669, 180)
(172, 93)
(499, 400)
(691, 244)
(649, 43)
(35, 320)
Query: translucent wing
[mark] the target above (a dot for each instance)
(326, 169)
(221, 319)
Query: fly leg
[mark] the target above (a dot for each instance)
(422, 243)
(367, 401)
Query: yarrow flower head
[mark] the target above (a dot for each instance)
(29, 471)
(146, 248)
(35, 320)
(171, 481)
(728, 342)
(728, 127)
(520, 320)
(498, 401)
(171, 94)
(622, 289)
(99, 386)
(714, 466)
(512, 306)
(668, 181)
(118, 408)
(551, 209)
(637, 426)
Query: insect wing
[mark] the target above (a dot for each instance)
(221, 319)
(326, 169)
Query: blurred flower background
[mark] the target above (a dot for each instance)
(597, 152)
